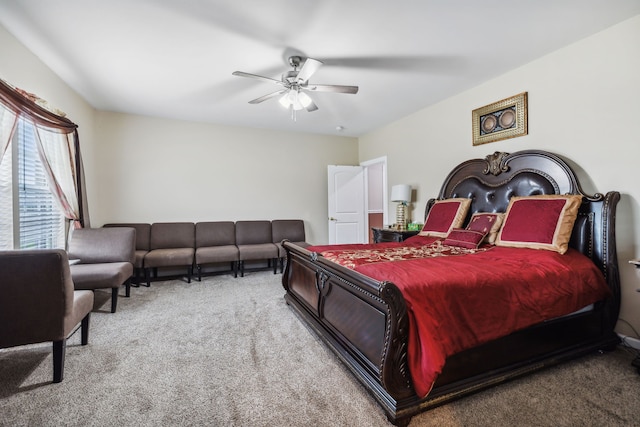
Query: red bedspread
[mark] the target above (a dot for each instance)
(458, 301)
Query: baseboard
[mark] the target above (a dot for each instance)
(630, 341)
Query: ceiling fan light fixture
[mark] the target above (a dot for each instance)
(304, 99)
(296, 100)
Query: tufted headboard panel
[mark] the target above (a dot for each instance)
(486, 198)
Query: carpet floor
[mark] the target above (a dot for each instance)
(229, 352)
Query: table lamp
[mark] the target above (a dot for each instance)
(402, 195)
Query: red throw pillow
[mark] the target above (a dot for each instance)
(444, 216)
(540, 222)
(470, 239)
(488, 223)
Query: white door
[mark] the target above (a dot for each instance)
(346, 204)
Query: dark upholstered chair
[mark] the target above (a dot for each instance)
(39, 303)
(287, 229)
(143, 235)
(172, 244)
(106, 257)
(216, 242)
(255, 242)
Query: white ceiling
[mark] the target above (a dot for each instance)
(174, 58)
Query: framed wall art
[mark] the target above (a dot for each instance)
(500, 120)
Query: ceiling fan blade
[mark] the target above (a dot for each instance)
(255, 76)
(268, 96)
(330, 88)
(309, 67)
(430, 63)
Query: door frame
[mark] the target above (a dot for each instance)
(385, 202)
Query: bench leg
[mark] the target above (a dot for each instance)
(59, 348)
(135, 281)
(114, 299)
(241, 262)
(84, 329)
(147, 277)
(199, 268)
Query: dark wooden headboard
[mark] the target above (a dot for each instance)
(491, 182)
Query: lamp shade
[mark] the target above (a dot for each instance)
(401, 193)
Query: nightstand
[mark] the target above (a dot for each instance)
(389, 235)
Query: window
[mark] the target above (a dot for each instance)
(41, 172)
(30, 217)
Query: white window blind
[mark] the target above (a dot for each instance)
(35, 220)
(6, 201)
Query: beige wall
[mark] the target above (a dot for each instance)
(154, 170)
(583, 105)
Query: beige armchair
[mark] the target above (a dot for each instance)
(39, 303)
(105, 259)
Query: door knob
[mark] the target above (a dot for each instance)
(332, 218)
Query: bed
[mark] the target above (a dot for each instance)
(360, 301)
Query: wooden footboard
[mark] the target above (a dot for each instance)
(364, 321)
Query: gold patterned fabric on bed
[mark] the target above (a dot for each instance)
(351, 258)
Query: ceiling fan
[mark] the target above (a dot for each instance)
(295, 84)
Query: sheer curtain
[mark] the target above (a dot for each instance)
(8, 120)
(58, 148)
(57, 153)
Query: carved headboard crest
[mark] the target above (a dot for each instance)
(495, 163)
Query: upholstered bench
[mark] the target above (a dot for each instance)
(143, 234)
(188, 245)
(287, 229)
(216, 243)
(172, 244)
(255, 242)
